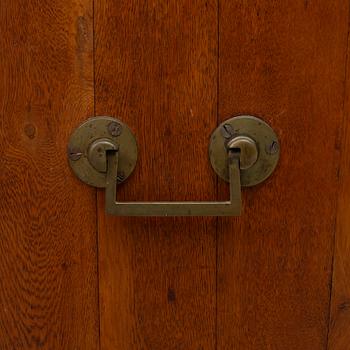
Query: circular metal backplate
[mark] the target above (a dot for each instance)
(266, 141)
(107, 129)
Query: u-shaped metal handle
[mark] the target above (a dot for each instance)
(243, 151)
(228, 208)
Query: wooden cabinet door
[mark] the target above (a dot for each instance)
(73, 277)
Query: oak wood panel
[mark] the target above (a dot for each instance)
(283, 61)
(156, 69)
(48, 262)
(339, 328)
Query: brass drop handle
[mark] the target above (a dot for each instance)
(243, 150)
(228, 208)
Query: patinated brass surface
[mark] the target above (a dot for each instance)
(88, 145)
(268, 149)
(102, 152)
(248, 150)
(227, 208)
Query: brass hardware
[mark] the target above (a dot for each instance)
(228, 208)
(248, 149)
(97, 153)
(91, 140)
(102, 152)
(259, 148)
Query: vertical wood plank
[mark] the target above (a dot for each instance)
(283, 61)
(339, 328)
(156, 69)
(48, 263)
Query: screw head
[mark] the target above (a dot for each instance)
(227, 131)
(114, 128)
(121, 176)
(272, 148)
(74, 153)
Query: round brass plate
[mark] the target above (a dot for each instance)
(113, 134)
(265, 139)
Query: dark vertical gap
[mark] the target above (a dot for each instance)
(96, 191)
(217, 178)
(343, 135)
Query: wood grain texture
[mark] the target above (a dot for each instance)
(283, 61)
(339, 328)
(48, 272)
(156, 69)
